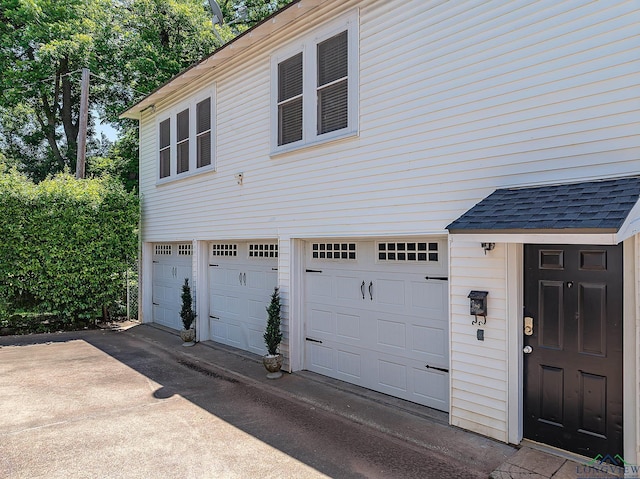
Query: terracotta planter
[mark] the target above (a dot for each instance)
(188, 337)
(273, 363)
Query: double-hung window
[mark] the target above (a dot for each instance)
(290, 100)
(332, 87)
(203, 133)
(165, 148)
(315, 87)
(182, 144)
(185, 136)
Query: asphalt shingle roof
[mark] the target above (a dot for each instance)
(595, 205)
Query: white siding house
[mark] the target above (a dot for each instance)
(327, 150)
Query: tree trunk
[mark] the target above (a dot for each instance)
(49, 129)
(70, 127)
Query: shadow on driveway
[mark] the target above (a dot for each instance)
(114, 404)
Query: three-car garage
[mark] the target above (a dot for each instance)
(374, 312)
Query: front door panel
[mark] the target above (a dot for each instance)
(573, 374)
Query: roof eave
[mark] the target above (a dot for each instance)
(524, 231)
(243, 41)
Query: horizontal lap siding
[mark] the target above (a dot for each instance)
(478, 368)
(465, 98)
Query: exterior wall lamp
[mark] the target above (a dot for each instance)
(487, 247)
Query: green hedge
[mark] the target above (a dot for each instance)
(65, 244)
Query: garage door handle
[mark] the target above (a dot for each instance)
(437, 369)
(244, 278)
(362, 289)
(214, 317)
(439, 278)
(370, 290)
(240, 278)
(314, 340)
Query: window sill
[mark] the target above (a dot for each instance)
(185, 175)
(299, 145)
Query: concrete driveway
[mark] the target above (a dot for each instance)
(101, 406)
(106, 404)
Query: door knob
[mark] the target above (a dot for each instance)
(527, 350)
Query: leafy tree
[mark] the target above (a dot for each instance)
(42, 44)
(131, 48)
(249, 12)
(120, 161)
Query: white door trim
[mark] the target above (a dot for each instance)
(631, 338)
(514, 286)
(630, 359)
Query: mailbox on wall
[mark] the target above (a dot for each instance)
(478, 304)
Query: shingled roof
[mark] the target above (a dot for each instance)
(589, 207)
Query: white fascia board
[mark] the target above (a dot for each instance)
(537, 238)
(631, 225)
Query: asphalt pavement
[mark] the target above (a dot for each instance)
(135, 403)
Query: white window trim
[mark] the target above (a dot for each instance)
(308, 47)
(171, 114)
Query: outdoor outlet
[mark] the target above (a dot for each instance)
(239, 177)
(480, 334)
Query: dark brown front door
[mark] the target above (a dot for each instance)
(573, 372)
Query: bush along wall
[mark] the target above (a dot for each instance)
(65, 244)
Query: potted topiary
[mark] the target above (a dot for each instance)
(188, 315)
(272, 337)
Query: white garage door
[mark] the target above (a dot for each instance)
(242, 277)
(376, 315)
(171, 265)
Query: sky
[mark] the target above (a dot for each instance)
(105, 128)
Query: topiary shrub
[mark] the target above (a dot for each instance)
(186, 313)
(272, 334)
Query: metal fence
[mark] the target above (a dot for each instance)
(132, 291)
(126, 307)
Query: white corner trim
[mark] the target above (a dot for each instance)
(296, 304)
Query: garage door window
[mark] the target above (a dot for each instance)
(163, 249)
(340, 251)
(418, 252)
(184, 249)
(268, 250)
(224, 250)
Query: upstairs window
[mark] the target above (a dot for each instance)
(182, 144)
(333, 88)
(290, 100)
(203, 133)
(165, 148)
(315, 88)
(185, 139)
